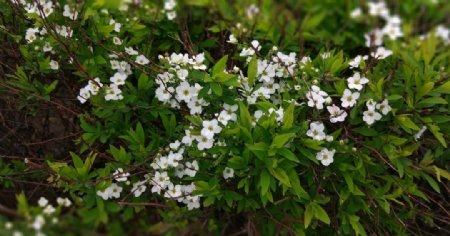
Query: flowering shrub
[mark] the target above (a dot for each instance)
(203, 117)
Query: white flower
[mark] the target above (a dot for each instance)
(356, 82)
(355, 62)
(198, 62)
(185, 92)
(204, 142)
(393, 31)
(117, 41)
(120, 176)
(164, 94)
(371, 116)
(113, 93)
(173, 192)
(348, 98)
(443, 33)
(138, 188)
(187, 138)
(113, 191)
(325, 55)
(228, 173)
(63, 202)
(195, 105)
(224, 117)
(130, 51)
(252, 11)
(118, 78)
(38, 222)
(30, 35)
(316, 131)
(419, 134)
(54, 65)
(316, 97)
(73, 15)
(169, 5)
(325, 156)
(210, 128)
(94, 86)
(64, 31)
(381, 53)
(42, 202)
(246, 52)
(175, 145)
(171, 15)
(160, 181)
(374, 38)
(378, 9)
(232, 39)
(84, 95)
(356, 13)
(47, 47)
(142, 60)
(49, 209)
(192, 202)
(191, 168)
(371, 105)
(117, 26)
(336, 114)
(384, 107)
(182, 74)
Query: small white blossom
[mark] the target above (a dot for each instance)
(316, 131)
(356, 81)
(120, 175)
(325, 156)
(210, 128)
(384, 107)
(371, 116)
(348, 99)
(228, 173)
(336, 114)
(419, 134)
(54, 65)
(142, 60)
(42, 202)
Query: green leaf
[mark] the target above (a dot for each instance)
(321, 214)
(445, 88)
(288, 154)
(281, 175)
(311, 21)
(424, 90)
(220, 65)
(437, 134)
(296, 186)
(357, 227)
(251, 71)
(288, 118)
(309, 213)
(349, 181)
(244, 116)
(281, 139)
(428, 102)
(366, 131)
(264, 182)
(407, 123)
(217, 89)
(431, 182)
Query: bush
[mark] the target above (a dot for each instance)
(233, 117)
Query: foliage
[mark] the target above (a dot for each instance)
(294, 117)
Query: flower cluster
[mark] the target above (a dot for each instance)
(169, 9)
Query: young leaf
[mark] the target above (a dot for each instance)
(220, 65)
(251, 71)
